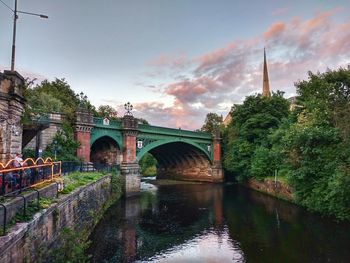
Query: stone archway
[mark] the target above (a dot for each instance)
(105, 150)
(180, 160)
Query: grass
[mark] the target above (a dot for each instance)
(77, 179)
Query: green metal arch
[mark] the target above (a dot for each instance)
(155, 144)
(101, 133)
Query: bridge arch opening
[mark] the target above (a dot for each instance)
(105, 150)
(181, 160)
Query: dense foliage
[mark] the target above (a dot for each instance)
(148, 165)
(247, 153)
(212, 122)
(309, 146)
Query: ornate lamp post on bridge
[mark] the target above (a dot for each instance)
(130, 170)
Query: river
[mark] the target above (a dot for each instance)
(192, 222)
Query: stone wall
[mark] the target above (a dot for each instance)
(277, 189)
(48, 134)
(11, 108)
(28, 242)
(15, 205)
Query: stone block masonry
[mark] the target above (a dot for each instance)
(29, 242)
(15, 205)
(11, 109)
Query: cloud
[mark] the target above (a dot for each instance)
(275, 30)
(27, 74)
(164, 60)
(213, 81)
(280, 11)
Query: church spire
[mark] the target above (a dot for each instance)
(266, 84)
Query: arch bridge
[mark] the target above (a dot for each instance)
(180, 154)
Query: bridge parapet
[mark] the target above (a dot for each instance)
(107, 123)
(174, 132)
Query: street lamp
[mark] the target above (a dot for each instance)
(128, 107)
(15, 17)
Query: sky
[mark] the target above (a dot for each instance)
(176, 60)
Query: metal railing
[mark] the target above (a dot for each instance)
(15, 177)
(74, 166)
(14, 180)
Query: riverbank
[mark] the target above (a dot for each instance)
(278, 189)
(77, 211)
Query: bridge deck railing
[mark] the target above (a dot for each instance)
(154, 129)
(173, 131)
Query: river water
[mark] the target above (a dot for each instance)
(193, 222)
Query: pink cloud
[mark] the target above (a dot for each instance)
(275, 30)
(165, 60)
(215, 57)
(228, 74)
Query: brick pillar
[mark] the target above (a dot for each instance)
(130, 170)
(83, 127)
(11, 110)
(217, 172)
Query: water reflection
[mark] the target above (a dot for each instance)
(212, 223)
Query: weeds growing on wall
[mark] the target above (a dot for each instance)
(72, 248)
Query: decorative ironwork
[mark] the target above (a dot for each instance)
(128, 107)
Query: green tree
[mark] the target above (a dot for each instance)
(107, 111)
(316, 146)
(142, 121)
(148, 165)
(63, 144)
(212, 122)
(247, 153)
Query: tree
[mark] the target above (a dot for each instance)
(212, 122)
(329, 94)
(107, 111)
(316, 146)
(247, 153)
(148, 165)
(142, 121)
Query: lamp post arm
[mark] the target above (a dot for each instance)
(33, 14)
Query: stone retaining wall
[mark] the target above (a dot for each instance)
(29, 242)
(15, 204)
(277, 189)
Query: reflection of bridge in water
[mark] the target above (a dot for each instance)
(139, 227)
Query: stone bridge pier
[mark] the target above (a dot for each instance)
(130, 170)
(11, 109)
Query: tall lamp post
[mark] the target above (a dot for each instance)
(15, 17)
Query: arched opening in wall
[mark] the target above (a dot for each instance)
(105, 150)
(148, 165)
(179, 160)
